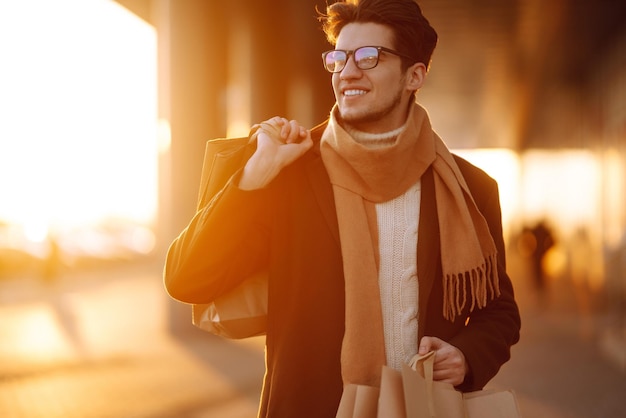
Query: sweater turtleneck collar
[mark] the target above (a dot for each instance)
(371, 140)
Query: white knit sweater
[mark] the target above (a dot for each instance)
(397, 238)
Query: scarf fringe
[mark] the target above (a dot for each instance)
(483, 286)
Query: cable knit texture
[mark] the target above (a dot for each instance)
(397, 278)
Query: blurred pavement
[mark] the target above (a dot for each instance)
(96, 345)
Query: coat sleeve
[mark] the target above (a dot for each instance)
(220, 247)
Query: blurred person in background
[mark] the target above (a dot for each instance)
(542, 240)
(380, 244)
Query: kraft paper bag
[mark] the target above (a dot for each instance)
(391, 398)
(358, 401)
(425, 398)
(412, 393)
(241, 313)
(491, 404)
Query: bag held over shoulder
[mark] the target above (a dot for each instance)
(242, 312)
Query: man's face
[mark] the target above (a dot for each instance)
(373, 100)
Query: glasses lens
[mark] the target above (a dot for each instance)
(334, 61)
(366, 57)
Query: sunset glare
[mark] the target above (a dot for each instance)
(78, 105)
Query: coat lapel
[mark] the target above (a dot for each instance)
(428, 251)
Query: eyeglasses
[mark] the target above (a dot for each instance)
(365, 57)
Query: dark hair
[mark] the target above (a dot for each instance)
(413, 34)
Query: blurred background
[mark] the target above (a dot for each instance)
(105, 107)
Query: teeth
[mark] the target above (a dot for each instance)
(353, 92)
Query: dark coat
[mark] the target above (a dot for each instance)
(290, 228)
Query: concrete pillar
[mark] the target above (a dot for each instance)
(192, 68)
(287, 77)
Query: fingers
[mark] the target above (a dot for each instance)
(289, 131)
(450, 365)
(430, 344)
(292, 131)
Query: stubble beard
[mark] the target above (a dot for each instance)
(371, 115)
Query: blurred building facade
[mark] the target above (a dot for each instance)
(533, 77)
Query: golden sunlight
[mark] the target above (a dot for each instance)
(34, 333)
(504, 166)
(564, 188)
(78, 116)
(563, 185)
(614, 181)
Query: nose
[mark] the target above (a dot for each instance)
(350, 70)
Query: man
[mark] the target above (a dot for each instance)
(379, 243)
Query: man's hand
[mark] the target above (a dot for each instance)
(450, 365)
(279, 143)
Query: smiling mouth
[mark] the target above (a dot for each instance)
(354, 93)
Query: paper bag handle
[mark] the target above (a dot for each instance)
(424, 364)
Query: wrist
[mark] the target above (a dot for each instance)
(257, 173)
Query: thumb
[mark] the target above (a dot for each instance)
(428, 344)
(425, 345)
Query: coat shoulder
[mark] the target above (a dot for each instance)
(474, 176)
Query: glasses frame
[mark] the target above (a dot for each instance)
(352, 53)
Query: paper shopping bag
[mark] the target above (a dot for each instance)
(427, 398)
(391, 398)
(491, 404)
(241, 313)
(412, 393)
(358, 401)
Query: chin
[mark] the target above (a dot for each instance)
(356, 119)
(353, 116)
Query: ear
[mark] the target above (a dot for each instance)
(415, 76)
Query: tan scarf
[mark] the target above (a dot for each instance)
(362, 177)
